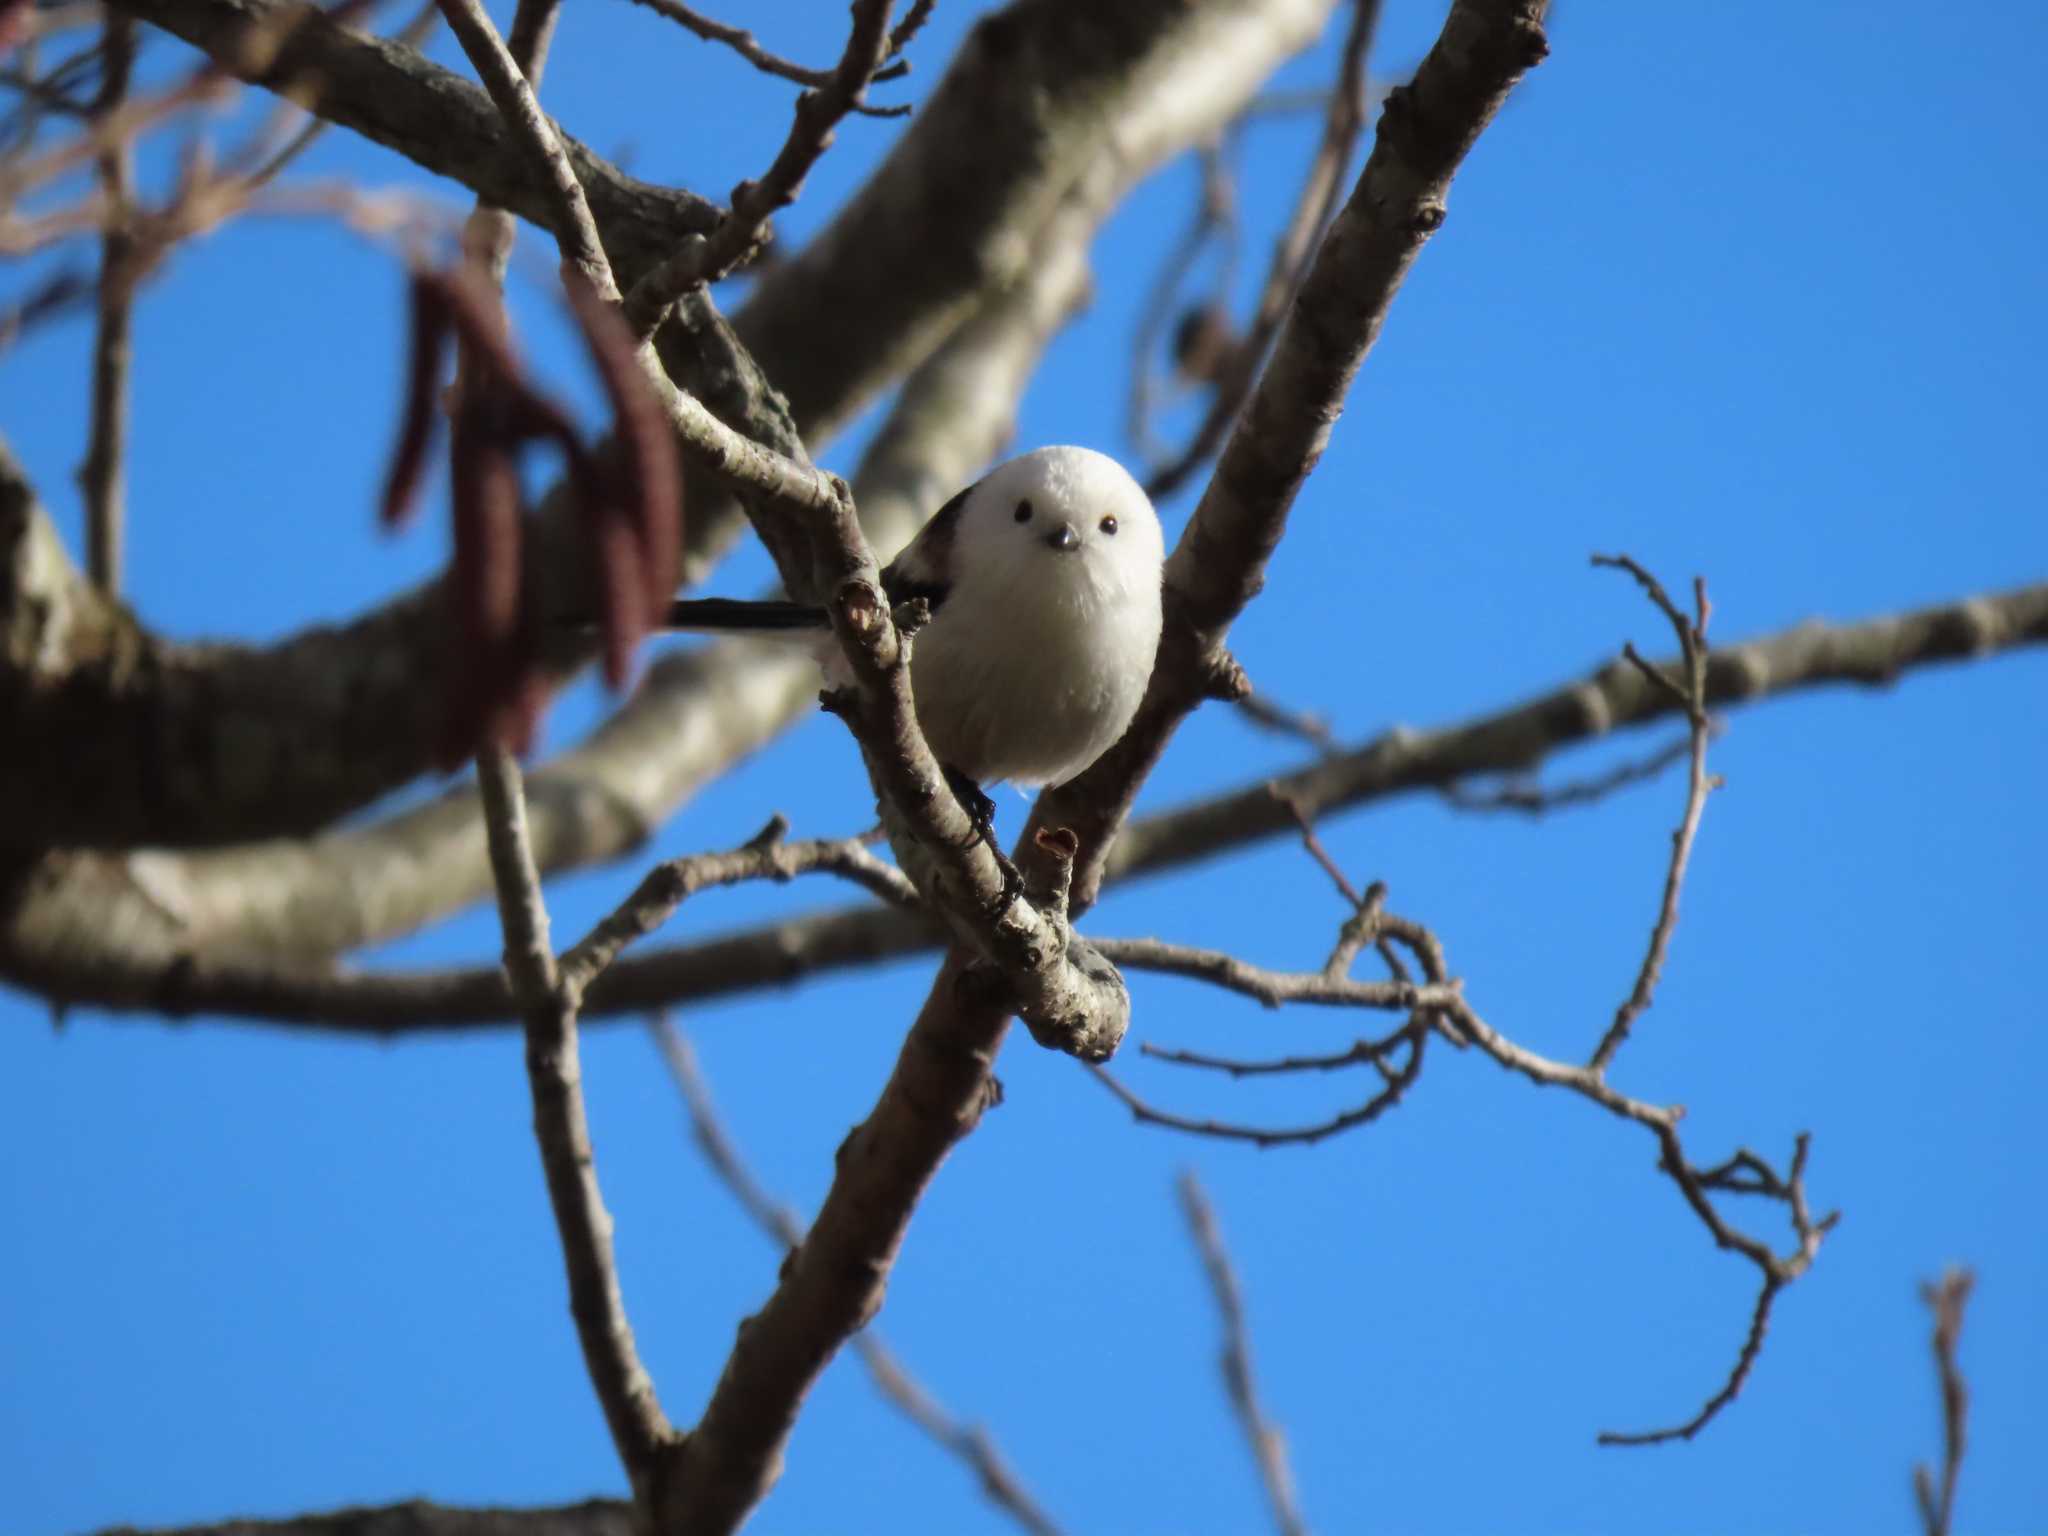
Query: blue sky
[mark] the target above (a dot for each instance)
(1758, 299)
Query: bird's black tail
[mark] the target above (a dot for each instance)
(727, 613)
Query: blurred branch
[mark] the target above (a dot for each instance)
(1268, 714)
(1235, 371)
(390, 94)
(1214, 221)
(1946, 1299)
(102, 474)
(1268, 1444)
(70, 959)
(1532, 799)
(970, 1443)
(417, 1517)
(971, 211)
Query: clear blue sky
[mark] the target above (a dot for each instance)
(1755, 295)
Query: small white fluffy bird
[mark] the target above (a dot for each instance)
(1044, 583)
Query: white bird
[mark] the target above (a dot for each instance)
(1044, 584)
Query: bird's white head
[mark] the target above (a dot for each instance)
(1069, 521)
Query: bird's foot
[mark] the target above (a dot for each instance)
(981, 812)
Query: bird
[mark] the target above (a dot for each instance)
(1043, 579)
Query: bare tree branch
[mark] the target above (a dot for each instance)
(328, 721)
(833, 1284)
(810, 135)
(1219, 563)
(1344, 116)
(968, 1442)
(102, 476)
(1946, 1298)
(940, 1085)
(764, 857)
(391, 95)
(1692, 640)
(103, 956)
(1268, 1445)
(1532, 799)
(641, 1433)
(748, 47)
(593, 1517)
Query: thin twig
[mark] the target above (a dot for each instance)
(1276, 717)
(1214, 221)
(1268, 1445)
(102, 475)
(969, 1442)
(1692, 640)
(1272, 988)
(765, 856)
(1745, 1360)
(1441, 1005)
(1321, 191)
(1530, 799)
(818, 112)
(575, 229)
(639, 1429)
(748, 47)
(1947, 1299)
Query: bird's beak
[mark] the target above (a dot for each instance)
(1064, 539)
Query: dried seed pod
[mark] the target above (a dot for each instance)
(427, 354)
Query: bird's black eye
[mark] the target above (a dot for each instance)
(1023, 512)
(1108, 524)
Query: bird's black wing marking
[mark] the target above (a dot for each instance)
(924, 567)
(721, 613)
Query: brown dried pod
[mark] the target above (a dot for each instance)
(647, 478)
(430, 327)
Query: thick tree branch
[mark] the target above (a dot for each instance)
(970, 1443)
(330, 720)
(62, 961)
(940, 1086)
(832, 1284)
(1219, 563)
(594, 1517)
(391, 95)
(1040, 97)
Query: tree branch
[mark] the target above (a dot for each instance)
(748, 47)
(1219, 563)
(940, 1085)
(640, 1432)
(391, 95)
(417, 1517)
(832, 1285)
(1268, 1445)
(1946, 1299)
(95, 959)
(970, 1443)
(102, 476)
